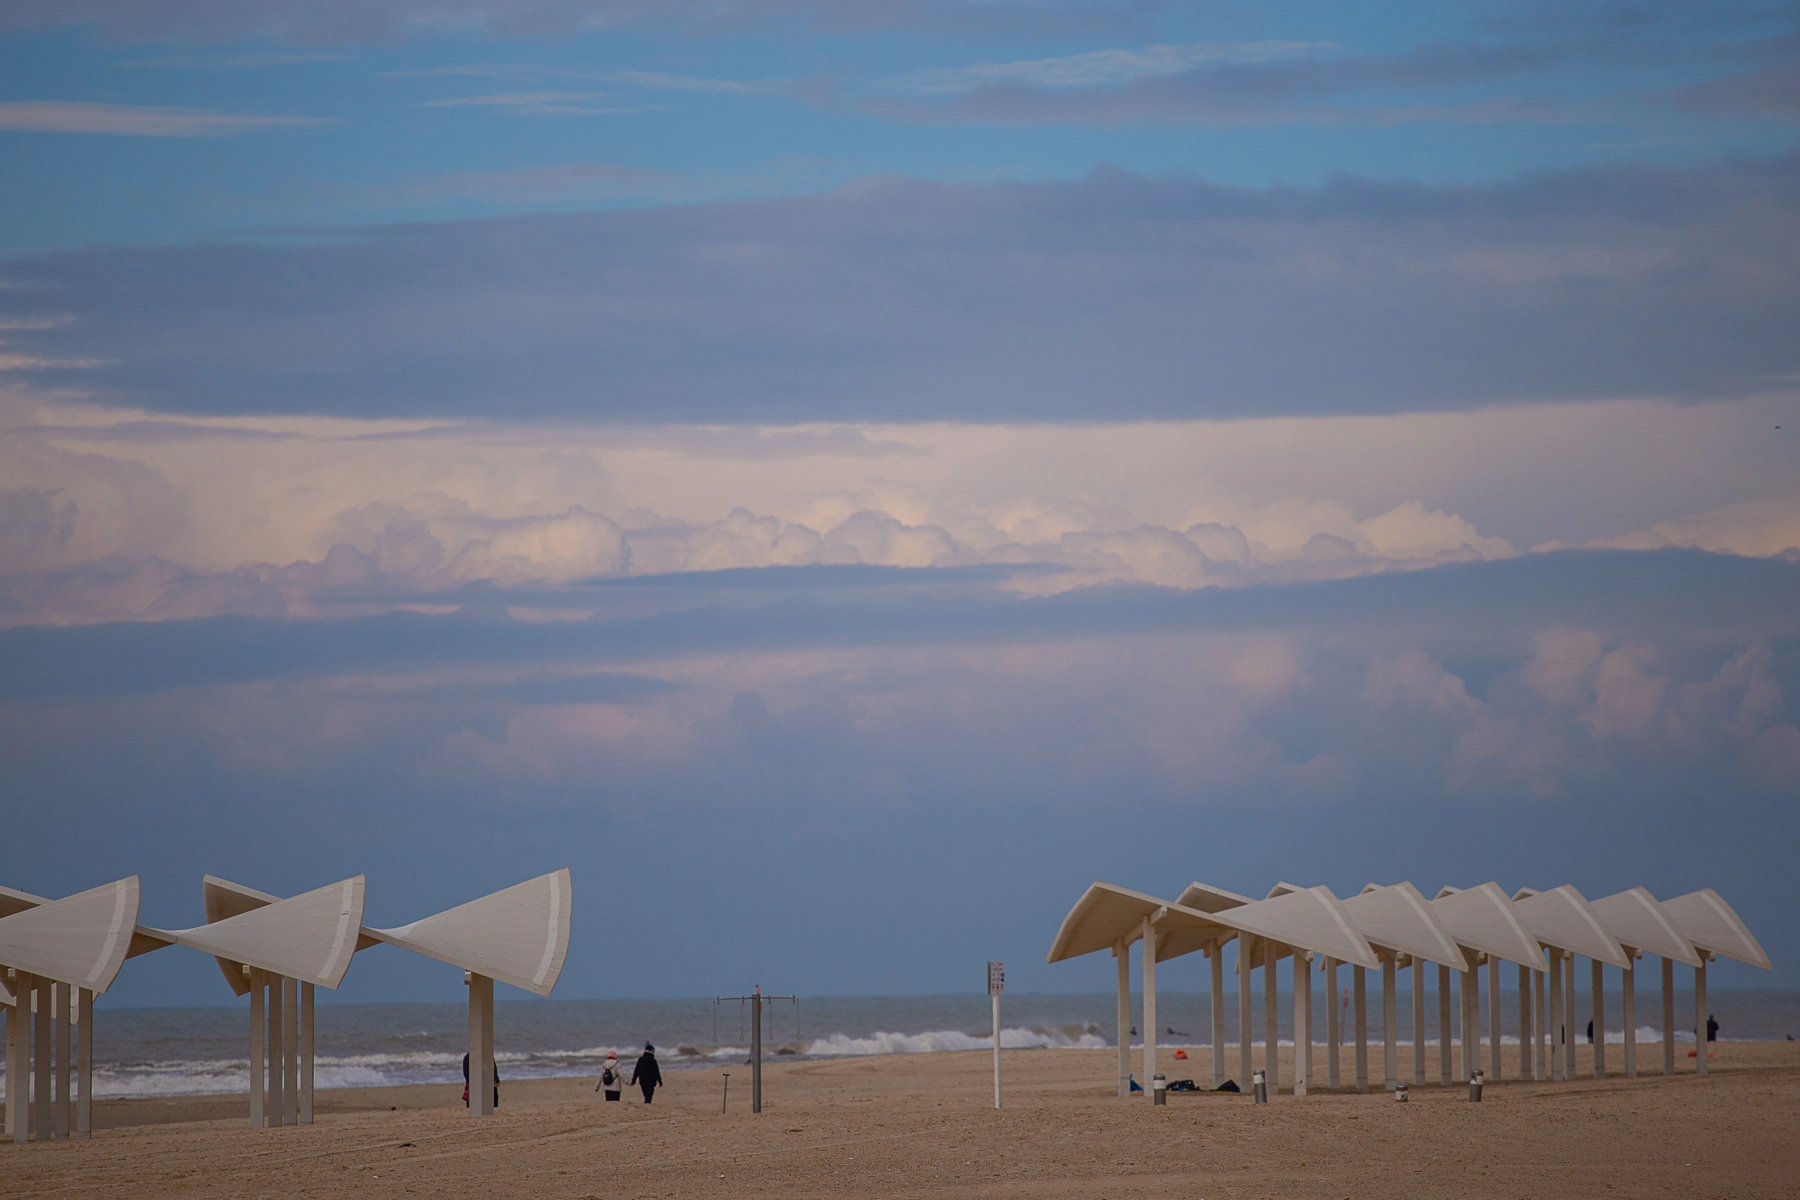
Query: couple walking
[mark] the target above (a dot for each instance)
(646, 1075)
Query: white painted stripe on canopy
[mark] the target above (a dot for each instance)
(1561, 917)
(519, 935)
(1399, 918)
(1482, 918)
(307, 937)
(1709, 923)
(1640, 922)
(143, 938)
(79, 940)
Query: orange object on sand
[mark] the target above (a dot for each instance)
(1181, 1054)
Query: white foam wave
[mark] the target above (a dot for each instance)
(840, 1045)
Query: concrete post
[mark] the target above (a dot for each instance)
(1569, 1012)
(1445, 1067)
(1471, 1022)
(1122, 958)
(1630, 1002)
(481, 1045)
(18, 1058)
(1559, 1021)
(1244, 944)
(1418, 1021)
(1700, 1015)
(84, 1064)
(1525, 1024)
(42, 1063)
(1493, 1019)
(1540, 1027)
(1271, 1017)
(1599, 999)
(63, 1074)
(1359, 1013)
(1668, 1015)
(1334, 1032)
(306, 1054)
(1149, 965)
(277, 1106)
(1216, 969)
(1390, 1003)
(1302, 1022)
(290, 1064)
(258, 1051)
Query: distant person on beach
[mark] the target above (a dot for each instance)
(612, 1076)
(466, 1083)
(1590, 1033)
(647, 1075)
(1712, 1028)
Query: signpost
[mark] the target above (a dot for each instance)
(996, 985)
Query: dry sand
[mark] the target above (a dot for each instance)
(924, 1125)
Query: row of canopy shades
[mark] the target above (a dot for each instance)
(56, 955)
(1388, 928)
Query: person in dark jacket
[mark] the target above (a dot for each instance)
(647, 1075)
(1712, 1028)
(466, 1083)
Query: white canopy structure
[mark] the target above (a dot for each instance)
(1482, 920)
(1562, 920)
(518, 935)
(1714, 928)
(1399, 920)
(1641, 925)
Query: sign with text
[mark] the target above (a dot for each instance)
(996, 978)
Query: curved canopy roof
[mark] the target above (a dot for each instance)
(1482, 918)
(1308, 918)
(309, 937)
(519, 935)
(1561, 917)
(1709, 923)
(1399, 918)
(1640, 923)
(79, 940)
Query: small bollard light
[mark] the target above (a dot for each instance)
(1475, 1082)
(1259, 1087)
(1400, 1093)
(1159, 1088)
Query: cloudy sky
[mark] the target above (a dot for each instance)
(841, 478)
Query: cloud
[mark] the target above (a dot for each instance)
(538, 104)
(1116, 297)
(538, 72)
(1099, 68)
(233, 62)
(74, 116)
(1772, 92)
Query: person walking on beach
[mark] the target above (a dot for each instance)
(495, 1083)
(1712, 1028)
(647, 1075)
(612, 1076)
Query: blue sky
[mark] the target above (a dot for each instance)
(841, 478)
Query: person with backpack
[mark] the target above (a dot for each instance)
(647, 1075)
(612, 1076)
(466, 1083)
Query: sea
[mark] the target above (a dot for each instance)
(197, 1051)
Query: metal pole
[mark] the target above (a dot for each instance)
(996, 999)
(756, 1049)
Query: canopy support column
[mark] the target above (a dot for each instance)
(43, 1063)
(1303, 1042)
(1599, 999)
(1390, 1050)
(1271, 1018)
(1540, 1026)
(1470, 1058)
(64, 1075)
(1334, 1033)
(306, 1054)
(276, 1106)
(1122, 953)
(18, 1059)
(1569, 1010)
(1445, 1067)
(1216, 972)
(1700, 1014)
(258, 1057)
(1359, 1013)
(84, 1064)
(1418, 1021)
(1149, 953)
(1526, 1038)
(1244, 943)
(1629, 997)
(1668, 1015)
(1494, 1019)
(1559, 1022)
(290, 1074)
(481, 1045)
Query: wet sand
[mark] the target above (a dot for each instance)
(924, 1125)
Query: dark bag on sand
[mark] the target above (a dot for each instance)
(1230, 1085)
(1182, 1085)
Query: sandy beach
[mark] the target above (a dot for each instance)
(924, 1125)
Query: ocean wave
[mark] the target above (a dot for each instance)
(839, 1045)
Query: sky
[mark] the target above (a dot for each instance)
(843, 478)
